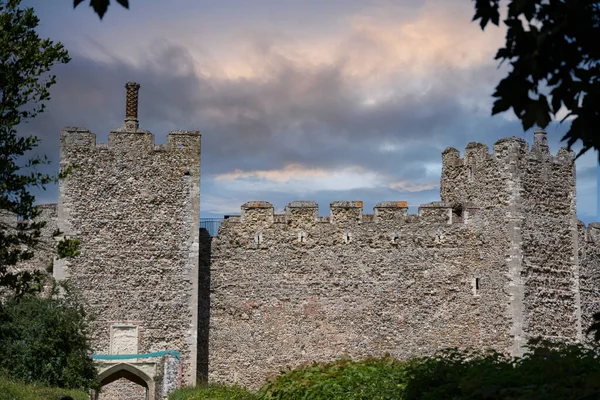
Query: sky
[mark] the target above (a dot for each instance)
(295, 100)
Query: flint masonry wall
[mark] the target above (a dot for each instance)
(134, 206)
(494, 264)
(294, 288)
(589, 276)
(552, 305)
(530, 197)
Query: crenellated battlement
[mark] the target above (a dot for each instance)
(494, 179)
(129, 138)
(134, 205)
(178, 141)
(506, 149)
(306, 213)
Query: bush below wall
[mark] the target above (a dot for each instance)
(548, 371)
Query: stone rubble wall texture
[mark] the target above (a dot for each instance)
(123, 389)
(135, 206)
(589, 278)
(492, 265)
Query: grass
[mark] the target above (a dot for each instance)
(11, 389)
(213, 392)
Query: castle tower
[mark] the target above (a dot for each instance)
(135, 206)
(528, 196)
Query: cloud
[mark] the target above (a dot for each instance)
(296, 179)
(407, 186)
(360, 107)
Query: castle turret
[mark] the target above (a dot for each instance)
(530, 197)
(135, 206)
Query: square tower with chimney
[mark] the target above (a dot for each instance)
(135, 206)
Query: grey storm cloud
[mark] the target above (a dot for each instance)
(298, 113)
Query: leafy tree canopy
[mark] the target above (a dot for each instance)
(25, 62)
(43, 339)
(552, 47)
(100, 6)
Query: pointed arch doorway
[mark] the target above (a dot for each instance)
(130, 373)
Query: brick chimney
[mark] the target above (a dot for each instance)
(131, 106)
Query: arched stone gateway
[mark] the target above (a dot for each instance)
(158, 373)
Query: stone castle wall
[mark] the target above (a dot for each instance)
(134, 206)
(589, 276)
(292, 289)
(471, 271)
(500, 259)
(531, 197)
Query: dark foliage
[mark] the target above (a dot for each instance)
(547, 371)
(373, 379)
(25, 61)
(43, 339)
(555, 53)
(100, 6)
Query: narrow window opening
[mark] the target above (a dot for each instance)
(181, 146)
(301, 237)
(470, 168)
(347, 237)
(476, 286)
(258, 238)
(395, 238)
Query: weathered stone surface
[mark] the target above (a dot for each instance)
(135, 207)
(493, 264)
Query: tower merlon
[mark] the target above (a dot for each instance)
(390, 210)
(257, 212)
(72, 136)
(184, 140)
(436, 212)
(476, 152)
(564, 156)
(301, 212)
(513, 145)
(346, 211)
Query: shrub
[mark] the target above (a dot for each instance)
(372, 379)
(548, 370)
(44, 339)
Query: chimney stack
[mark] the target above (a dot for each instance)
(131, 106)
(540, 142)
